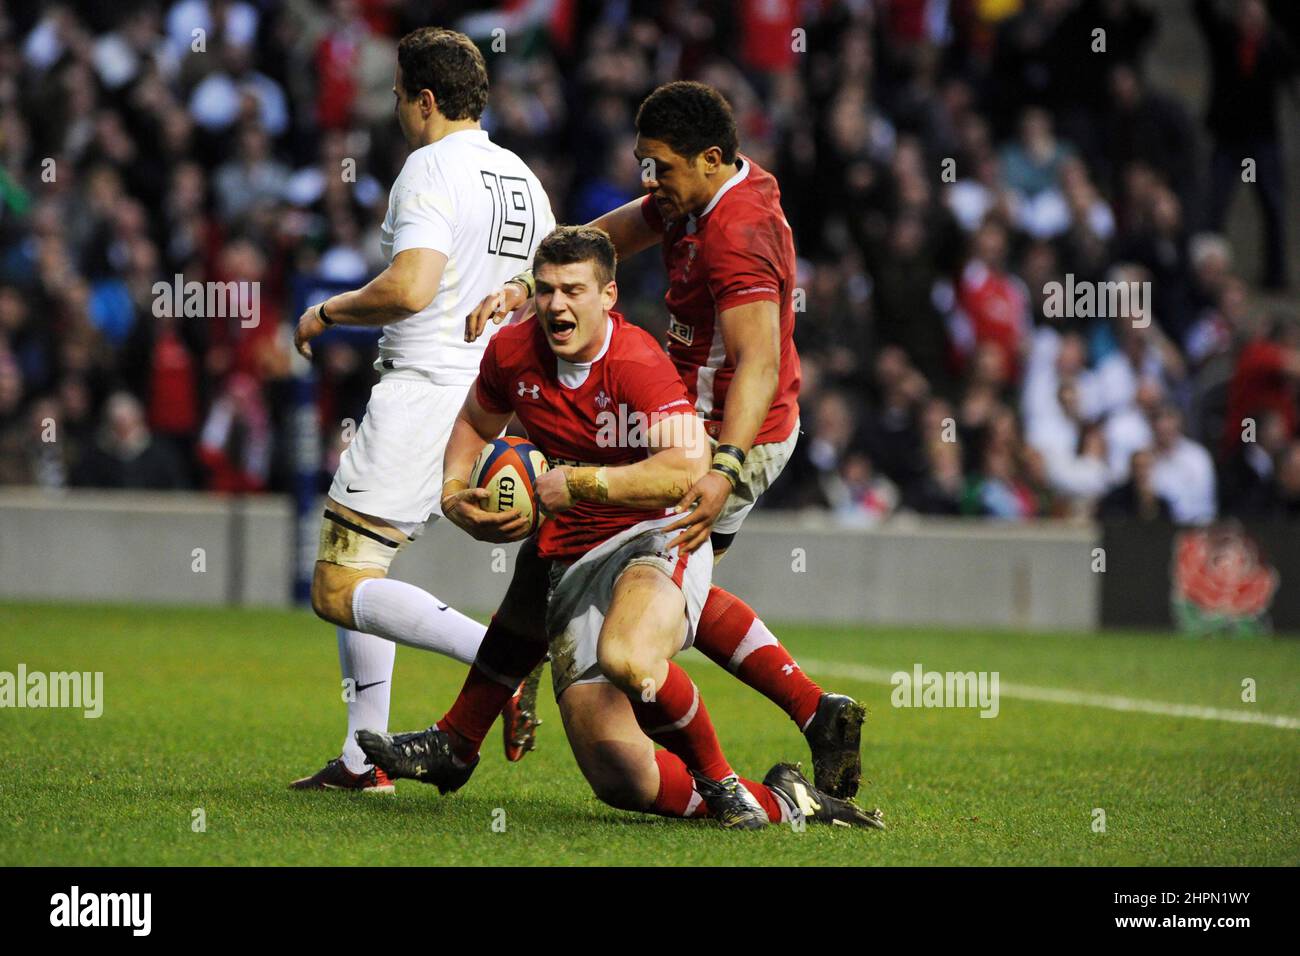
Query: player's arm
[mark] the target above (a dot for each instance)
(461, 504)
(679, 456)
(751, 334)
(627, 227)
(406, 287)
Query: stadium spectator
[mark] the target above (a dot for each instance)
(252, 178)
(1137, 497)
(940, 490)
(126, 455)
(1247, 477)
(235, 444)
(1183, 472)
(994, 304)
(1146, 125)
(867, 497)
(236, 92)
(1265, 378)
(906, 314)
(1249, 63)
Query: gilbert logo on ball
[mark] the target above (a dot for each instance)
(509, 468)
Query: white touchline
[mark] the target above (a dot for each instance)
(1078, 698)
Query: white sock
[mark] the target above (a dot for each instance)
(403, 613)
(367, 661)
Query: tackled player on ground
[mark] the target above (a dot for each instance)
(601, 582)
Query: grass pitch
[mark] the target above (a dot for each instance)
(218, 709)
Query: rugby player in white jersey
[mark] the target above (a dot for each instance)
(464, 215)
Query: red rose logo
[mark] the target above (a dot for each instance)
(1219, 571)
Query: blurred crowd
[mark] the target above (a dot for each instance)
(945, 165)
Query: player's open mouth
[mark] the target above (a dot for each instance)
(561, 329)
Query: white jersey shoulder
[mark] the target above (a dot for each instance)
(483, 208)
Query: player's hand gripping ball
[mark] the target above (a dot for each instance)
(508, 469)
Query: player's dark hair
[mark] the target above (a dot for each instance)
(448, 65)
(570, 244)
(690, 117)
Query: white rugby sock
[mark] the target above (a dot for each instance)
(403, 613)
(367, 661)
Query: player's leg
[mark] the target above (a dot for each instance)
(621, 764)
(615, 757)
(645, 623)
(730, 633)
(446, 753)
(513, 648)
(366, 663)
(351, 587)
(385, 488)
(356, 551)
(732, 636)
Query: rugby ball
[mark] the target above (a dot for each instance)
(508, 468)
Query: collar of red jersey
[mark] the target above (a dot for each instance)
(573, 374)
(736, 179)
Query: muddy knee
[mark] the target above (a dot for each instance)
(349, 551)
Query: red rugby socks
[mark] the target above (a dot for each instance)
(731, 635)
(504, 660)
(677, 796)
(677, 719)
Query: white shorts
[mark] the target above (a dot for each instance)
(392, 469)
(581, 594)
(762, 466)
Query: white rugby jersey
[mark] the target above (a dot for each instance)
(478, 204)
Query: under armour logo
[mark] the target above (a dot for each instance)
(531, 391)
(788, 668)
(602, 400)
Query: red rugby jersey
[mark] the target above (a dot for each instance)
(594, 414)
(738, 250)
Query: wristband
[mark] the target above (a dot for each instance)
(724, 468)
(320, 314)
(587, 484)
(728, 463)
(525, 279)
(731, 450)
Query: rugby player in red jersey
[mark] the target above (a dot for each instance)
(618, 600)
(729, 254)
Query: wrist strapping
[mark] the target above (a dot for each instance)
(587, 484)
(459, 484)
(525, 279)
